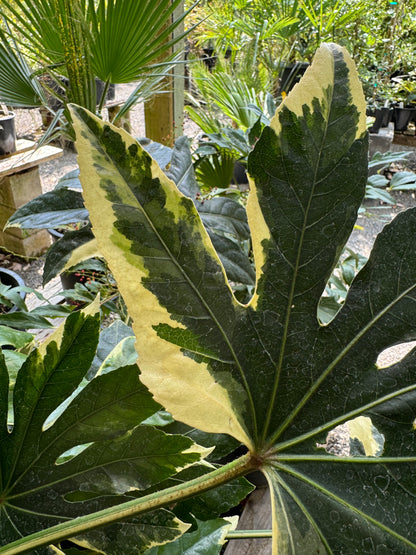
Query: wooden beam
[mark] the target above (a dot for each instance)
(164, 112)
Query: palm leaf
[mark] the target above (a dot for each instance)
(230, 93)
(36, 28)
(127, 37)
(17, 86)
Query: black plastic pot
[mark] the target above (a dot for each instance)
(402, 118)
(378, 121)
(55, 104)
(210, 59)
(7, 134)
(55, 234)
(240, 174)
(68, 279)
(290, 75)
(8, 277)
(387, 116)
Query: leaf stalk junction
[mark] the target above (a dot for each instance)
(166, 497)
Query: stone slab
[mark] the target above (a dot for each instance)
(34, 244)
(18, 189)
(381, 141)
(28, 158)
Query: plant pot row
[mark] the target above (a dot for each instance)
(400, 116)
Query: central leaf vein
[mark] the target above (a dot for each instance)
(294, 279)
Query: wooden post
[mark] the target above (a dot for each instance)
(164, 112)
(257, 515)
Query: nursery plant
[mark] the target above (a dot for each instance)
(225, 220)
(378, 186)
(52, 52)
(265, 373)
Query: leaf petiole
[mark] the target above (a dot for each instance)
(126, 510)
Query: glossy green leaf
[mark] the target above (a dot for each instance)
(224, 444)
(226, 333)
(73, 247)
(161, 153)
(220, 215)
(224, 216)
(136, 534)
(268, 373)
(403, 181)
(25, 320)
(378, 180)
(69, 181)
(122, 355)
(224, 219)
(374, 189)
(16, 338)
(110, 338)
(38, 317)
(50, 210)
(381, 160)
(181, 169)
(145, 221)
(208, 539)
(327, 309)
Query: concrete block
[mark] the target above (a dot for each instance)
(381, 141)
(30, 245)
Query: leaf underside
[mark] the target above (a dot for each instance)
(268, 373)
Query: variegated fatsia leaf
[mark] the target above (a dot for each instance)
(268, 373)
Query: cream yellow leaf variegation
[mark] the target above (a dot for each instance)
(82, 253)
(136, 212)
(268, 372)
(318, 85)
(319, 92)
(202, 354)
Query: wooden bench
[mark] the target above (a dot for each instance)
(19, 183)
